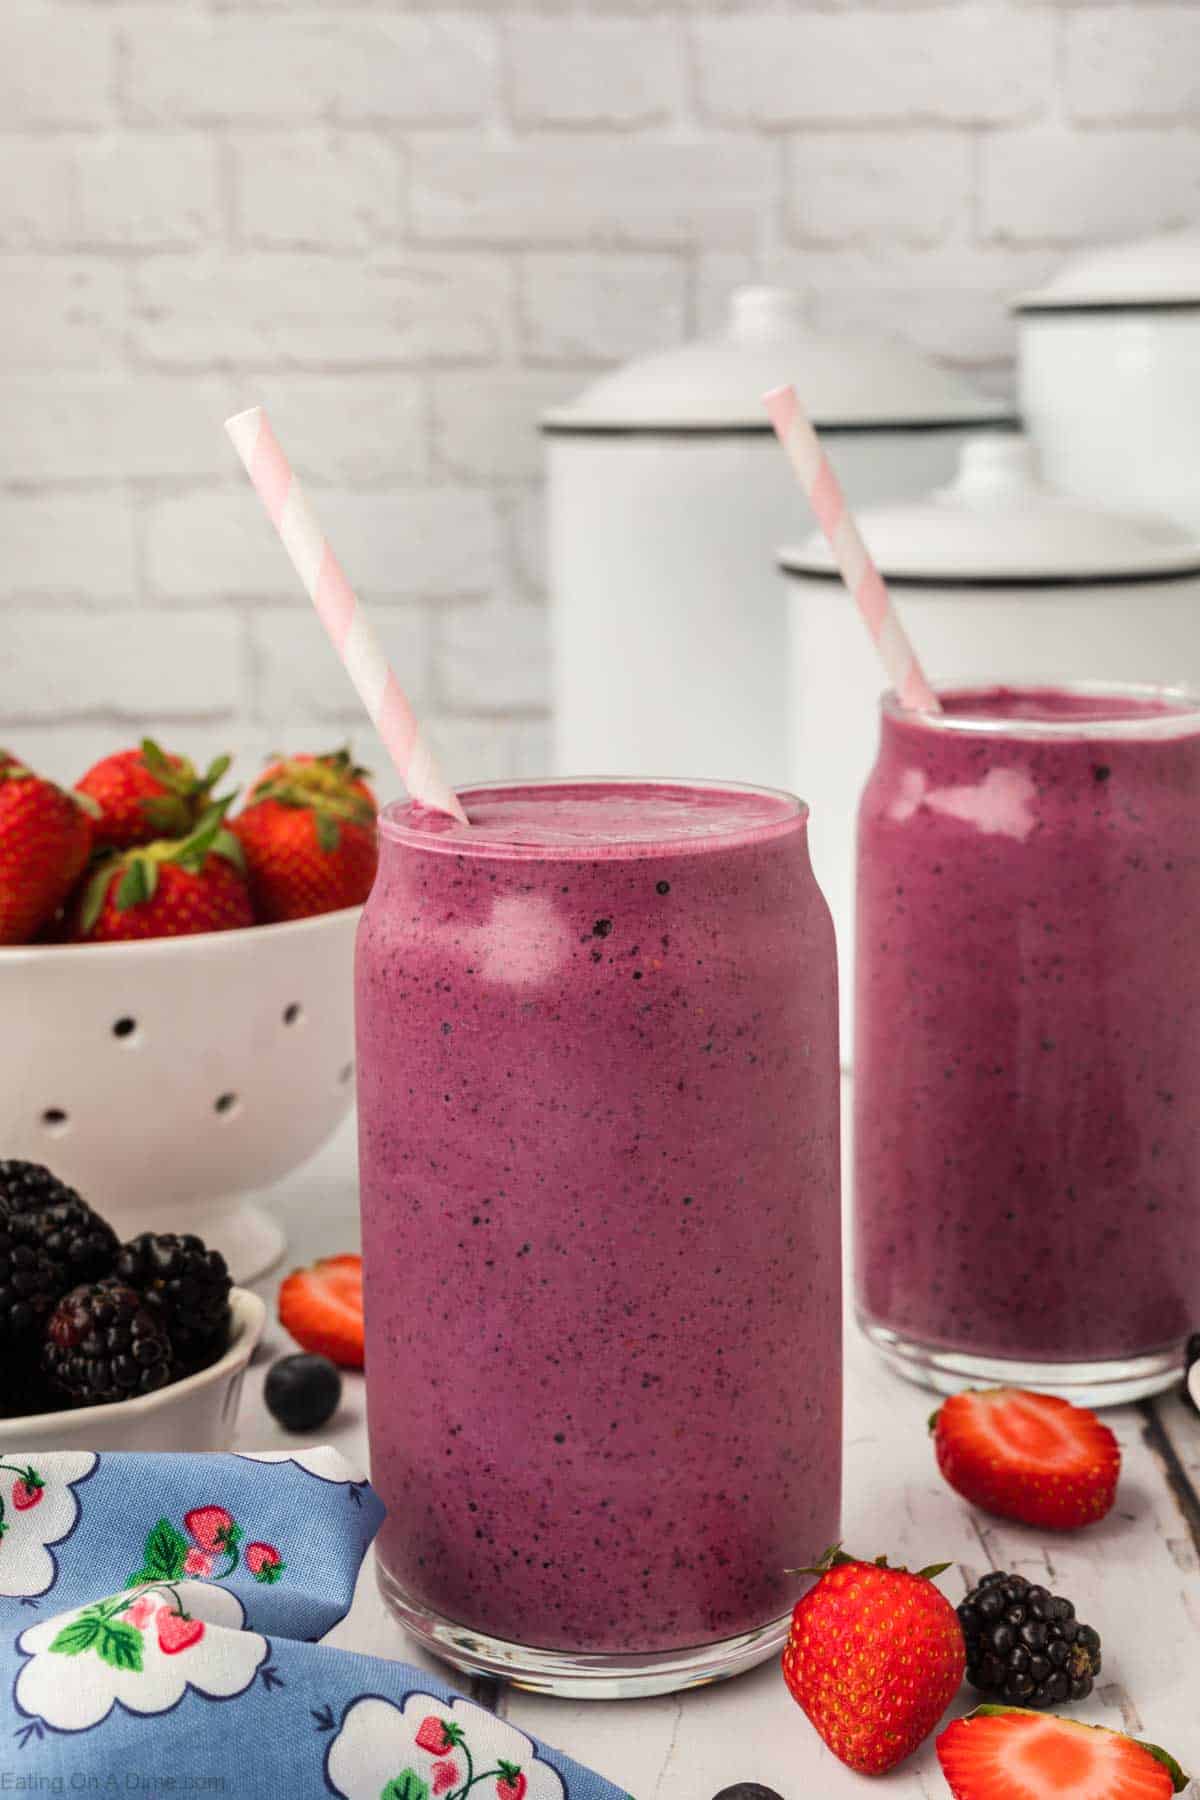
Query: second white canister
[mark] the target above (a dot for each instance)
(667, 496)
(1109, 366)
(995, 577)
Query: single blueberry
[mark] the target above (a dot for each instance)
(302, 1392)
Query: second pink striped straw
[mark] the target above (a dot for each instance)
(343, 618)
(855, 565)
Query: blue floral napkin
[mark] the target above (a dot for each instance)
(138, 1592)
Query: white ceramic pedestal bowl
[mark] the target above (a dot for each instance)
(197, 1413)
(167, 1079)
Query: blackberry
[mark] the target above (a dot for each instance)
(104, 1344)
(1025, 1645)
(29, 1284)
(48, 1213)
(184, 1284)
(27, 1185)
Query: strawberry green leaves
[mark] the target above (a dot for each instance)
(185, 796)
(113, 1641)
(406, 1786)
(163, 1556)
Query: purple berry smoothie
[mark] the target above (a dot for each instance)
(1027, 1109)
(598, 1123)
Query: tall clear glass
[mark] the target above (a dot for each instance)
(1027, 1078)
(598, 1120)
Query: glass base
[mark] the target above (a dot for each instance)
(576, 1674)
(1094, 1384)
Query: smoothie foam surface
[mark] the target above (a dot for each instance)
(598, 819)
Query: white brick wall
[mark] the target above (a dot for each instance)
(406, 226)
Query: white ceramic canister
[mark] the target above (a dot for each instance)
(667, 498)
(995, 577)
(1110, 375)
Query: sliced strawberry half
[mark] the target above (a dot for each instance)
(1027, 1456)
(1000, 1753)
(322, 1307)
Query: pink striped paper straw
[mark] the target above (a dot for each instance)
(339, 610)
(863, 580)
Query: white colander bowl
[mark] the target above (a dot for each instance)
(168, 1079)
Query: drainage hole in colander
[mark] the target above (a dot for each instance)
(293, 1013)
(55, 1120)
(346, 1073)
(125, 1028)
(225, 1105)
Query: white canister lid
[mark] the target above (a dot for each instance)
(716, 384)
(999, 525)
(1153, 274)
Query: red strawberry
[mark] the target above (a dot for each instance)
(445, 1776)
(27, 1490)
(168, 889)
(198, 1563)
(264, 1562)
(45, 842)
(438, 1735)
(1027, 1456)
(322, 1307)
(308, 832)
(211, 1528)
(874, 1656)
(146, 794)
(1006, 1753)
(176, 1631)
(512, 1784)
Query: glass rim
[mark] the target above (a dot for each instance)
(457, 842)
(1182, 717)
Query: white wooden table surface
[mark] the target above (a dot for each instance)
(1135, 1577)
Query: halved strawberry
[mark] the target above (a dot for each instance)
(322, 1307)
(1003, 1753)
(1027, 1456)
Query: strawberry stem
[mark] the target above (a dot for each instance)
(836, 1558)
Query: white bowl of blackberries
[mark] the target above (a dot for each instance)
(110, 1345)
